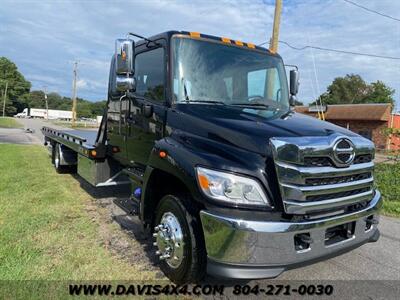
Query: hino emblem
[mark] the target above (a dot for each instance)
(343, 152)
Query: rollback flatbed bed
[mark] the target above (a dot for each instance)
(80, 141)
(84, 152)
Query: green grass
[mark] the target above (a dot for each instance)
(6, 122)
(387, 179)
(48, 224)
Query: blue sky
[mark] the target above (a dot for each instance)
(44, 37)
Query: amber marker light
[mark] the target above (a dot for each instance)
(93, 153)
(115, 149)
(203, 181)
(195, 34)
(162, 154)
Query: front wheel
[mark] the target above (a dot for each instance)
(178, 238)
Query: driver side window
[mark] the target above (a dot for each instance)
(149, 73)
(264, 83)
(256, 83)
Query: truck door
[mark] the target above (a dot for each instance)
(143, 131)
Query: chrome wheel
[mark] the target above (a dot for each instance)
(57, 157)
(169, 240)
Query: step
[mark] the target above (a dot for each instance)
(130, 206)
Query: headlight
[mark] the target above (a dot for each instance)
(230, 188)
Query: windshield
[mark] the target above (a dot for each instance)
(211, 72)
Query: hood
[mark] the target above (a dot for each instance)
(246, 128)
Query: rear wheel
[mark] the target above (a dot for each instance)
(57, 157)
(179, 241)
(57, 161)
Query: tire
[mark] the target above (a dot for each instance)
(192, 266)
(57, 160)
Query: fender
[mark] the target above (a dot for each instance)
(186, 151)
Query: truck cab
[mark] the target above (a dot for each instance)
(226, 178)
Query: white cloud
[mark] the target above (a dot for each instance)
(81, 83)
(43, 38)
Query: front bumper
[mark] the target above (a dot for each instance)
(249, 249)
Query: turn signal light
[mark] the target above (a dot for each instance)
(204, 183)
(93, 153)
(162, 154)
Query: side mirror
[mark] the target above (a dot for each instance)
(292, 100)
(124, 65)
(124, 56)
(294, 82)
(125, 84)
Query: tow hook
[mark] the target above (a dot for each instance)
(302, 241)
(305, 238)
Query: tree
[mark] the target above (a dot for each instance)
(18, 86)
(98, 107)
(36, 99)
(352, 89)
(83, 108)
(9, 108)
(380, 93)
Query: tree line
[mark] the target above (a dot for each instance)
(20, 96)
(352, 89)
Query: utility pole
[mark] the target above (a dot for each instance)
(74, 94)
(273, 48)
(273, 45)
(4, 100)
(47, 104)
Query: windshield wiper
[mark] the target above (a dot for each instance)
(185, 90)
(205, 101)
(265, 106)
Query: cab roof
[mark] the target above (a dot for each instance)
(168, 35)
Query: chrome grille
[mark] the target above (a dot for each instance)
(361, 159)
(318, 162)
(327, 162)
(337, 195)
(338, 179)
(311, 180)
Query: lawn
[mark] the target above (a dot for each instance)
(387, 180)
(48, 230)
(6, 122)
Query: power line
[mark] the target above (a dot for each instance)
(371, 10)
(4, 100)
(74, 104)
(335, 50)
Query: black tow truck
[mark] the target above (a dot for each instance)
(224, 175)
